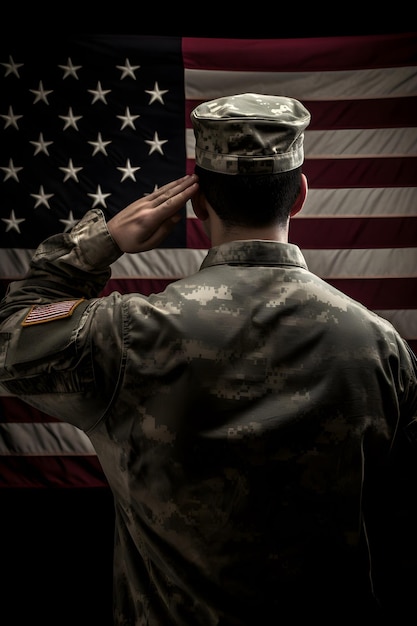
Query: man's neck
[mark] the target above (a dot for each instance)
(223, 234)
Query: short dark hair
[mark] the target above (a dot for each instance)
(250, 200)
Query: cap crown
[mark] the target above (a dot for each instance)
(250, 134)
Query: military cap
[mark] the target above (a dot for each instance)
(250, 133)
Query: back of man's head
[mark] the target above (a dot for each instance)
(251, 200)
(249, 149)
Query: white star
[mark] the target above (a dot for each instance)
(12, 67)
(11, 171)
(99, 197)
(70, 171)
(156, 93)
(128, 171)
(127, 119)
(41, 145)
(99, 93)
(42, 197)
(70, 119)
(40, 93)
(11, 118)
(70, 69)
(12, 222)
(70, 222)
(99, 145)
(156, 144)
(128, 70)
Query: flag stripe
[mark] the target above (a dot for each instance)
(299, 54)
(370, 113)
(352, 232)
(345, 232)
(371, 84)
(325, 262)
(368, 172)
(25, 471)
(32, 438)
(376, 202)
(15, 411)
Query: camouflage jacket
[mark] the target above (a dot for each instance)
(249, 419)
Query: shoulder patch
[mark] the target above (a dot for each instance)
(41, 313)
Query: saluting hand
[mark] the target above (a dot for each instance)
(146, 222)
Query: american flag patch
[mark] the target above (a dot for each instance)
(48, 312)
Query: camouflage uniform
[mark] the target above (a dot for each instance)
(243, 418)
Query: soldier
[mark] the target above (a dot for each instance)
(253, 422)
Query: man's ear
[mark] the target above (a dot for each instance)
(301, 198)
(199, 204)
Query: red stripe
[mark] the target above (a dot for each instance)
(12, 409)
(51, 471)
(347, 114)
(367, 172)
(327, 233)
(300, 55)
(354, 232)
(380, 293)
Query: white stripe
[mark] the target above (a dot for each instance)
(397, 82)
(38, 439)
(395, 142)
(368, 202)
(352, 143)
(382, 263)
(374, 263)
(161, 263)
(404, 320)
(176, 263)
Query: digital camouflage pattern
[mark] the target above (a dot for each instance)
(244, 418)
(250, 133)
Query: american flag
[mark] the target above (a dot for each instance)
(99, 120)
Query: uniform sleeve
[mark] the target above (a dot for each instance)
(66, 266)
(46, 355)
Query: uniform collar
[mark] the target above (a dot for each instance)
(255, 252)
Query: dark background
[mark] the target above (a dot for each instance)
(56, 557)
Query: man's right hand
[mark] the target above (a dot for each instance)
(146, 222)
